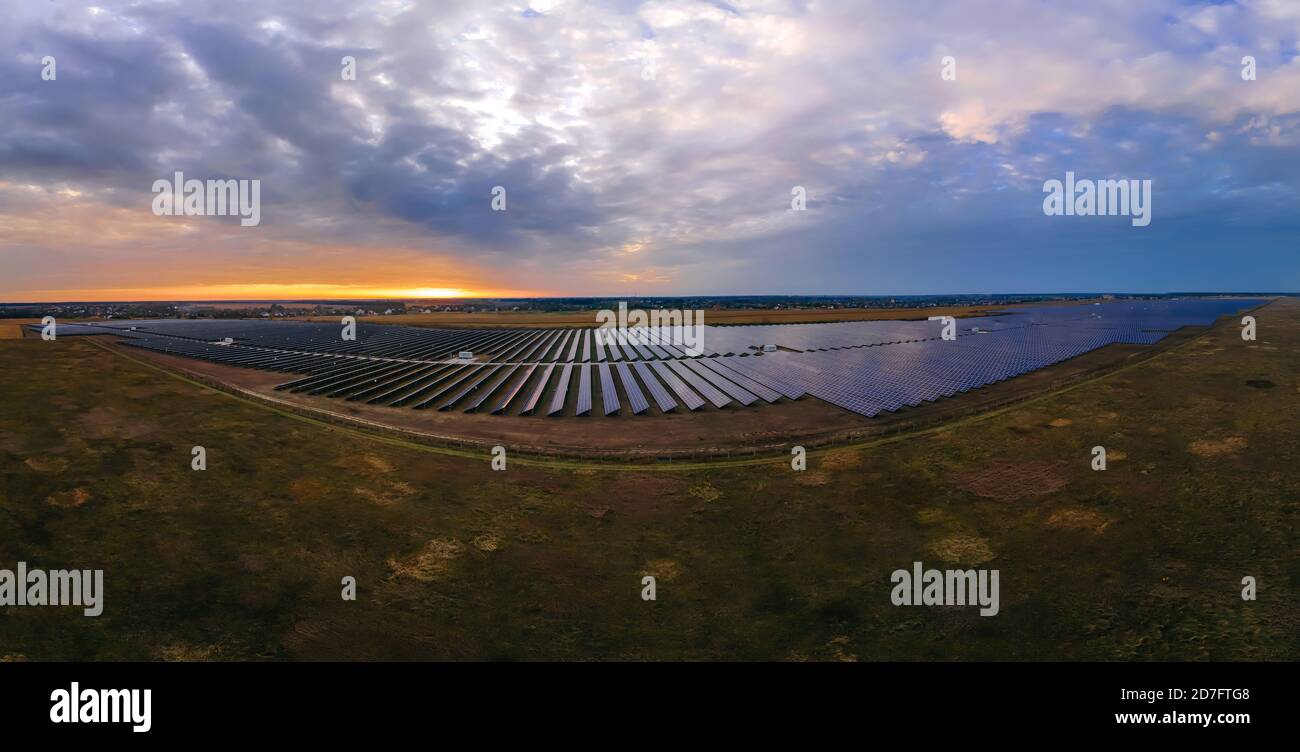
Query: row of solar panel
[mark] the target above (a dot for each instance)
(515, 388)
(877, 379)
(537, 366)
(869, 381)
(418, 343)
(520, 388)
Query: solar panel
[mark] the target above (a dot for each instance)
(441, 389)
(561, 390)
(700, 385)
(396, 382)
(688, 398)
(729, 387)
(509, 392)
(584, 390)
(573, 350)
(530, 404)
(487, 391)
(635, 399)
(558, 355)
(608, 394)
(769, 395)
(418, 390)
(604, 335)
(664, 402)
(468, 386)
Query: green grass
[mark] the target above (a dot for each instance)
(243, 561)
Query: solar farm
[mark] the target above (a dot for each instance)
(866, 367)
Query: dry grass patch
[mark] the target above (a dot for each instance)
(963, 549)
(68, 499)
(1060, 423)
(388, 494)
(101, 422)
(376, 463)
(665, 570)
(934, 516)
(46, 464)
(1224, 447)
(430, 562)
(307, 489)
(841, 460)
(1077, 518)
(1009, 481)
(187, 653)
(812, 478)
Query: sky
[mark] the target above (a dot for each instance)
(645, 148)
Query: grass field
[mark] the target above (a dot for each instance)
(1143, 561)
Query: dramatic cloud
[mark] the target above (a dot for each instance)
(648, 147)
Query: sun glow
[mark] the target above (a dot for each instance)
(270, 291)
(431, 292)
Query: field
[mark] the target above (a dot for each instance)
(13, 328)
(1142, 561)
(561, 319)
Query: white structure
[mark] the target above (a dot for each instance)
(466, 355)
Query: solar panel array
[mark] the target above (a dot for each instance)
(864, 366)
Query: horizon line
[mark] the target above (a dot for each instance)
(217, 301)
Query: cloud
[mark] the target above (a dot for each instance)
(678, 127)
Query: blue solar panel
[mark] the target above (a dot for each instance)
(635, 399)
(710, 392)
(683, 392)
(573, 349)
(730, 387)
(561, 390)
(470, 385)
(490, 388)
(509, 393)
(584, 390)
(716, 365)
(608, 394)
(535, 395)
(663, 401)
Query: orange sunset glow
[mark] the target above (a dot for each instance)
(199, 293)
